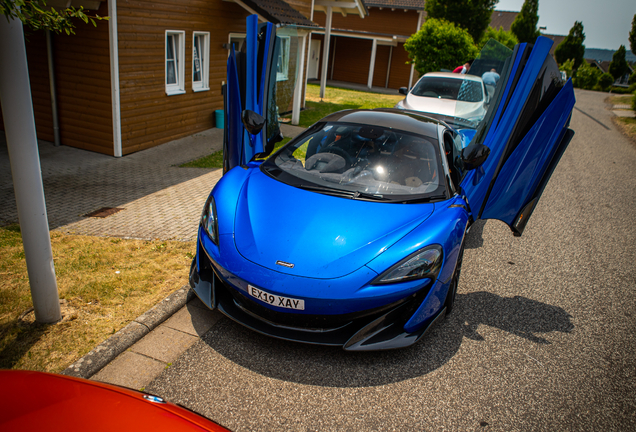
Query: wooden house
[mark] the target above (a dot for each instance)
(150, 74)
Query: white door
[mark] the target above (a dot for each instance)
(314, 58)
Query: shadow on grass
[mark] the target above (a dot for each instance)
(16, 339)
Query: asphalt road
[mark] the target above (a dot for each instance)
(542, 336)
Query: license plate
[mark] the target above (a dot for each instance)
(276, 300)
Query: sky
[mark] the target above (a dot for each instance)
(606, 23)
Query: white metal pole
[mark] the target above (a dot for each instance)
(300, 82)
(374, 49)
(19, 124)
(325, 54)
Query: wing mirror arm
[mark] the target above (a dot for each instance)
(474, 156)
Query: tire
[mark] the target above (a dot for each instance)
(452, 289)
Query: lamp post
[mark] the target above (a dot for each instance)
(19, 125)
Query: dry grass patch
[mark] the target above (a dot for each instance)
(106, 283)
(627, 125)
(620, 100)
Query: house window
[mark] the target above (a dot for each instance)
(200, 61)
(175, 53)
(236, 39)
(282, 70)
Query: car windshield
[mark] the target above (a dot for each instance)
(361, 162)
(459, 89)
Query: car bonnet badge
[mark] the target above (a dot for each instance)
(285, 264)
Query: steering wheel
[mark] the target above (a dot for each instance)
(340, 152)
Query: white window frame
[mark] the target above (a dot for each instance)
(178, 45)
(285, 46)
(204, 61)
(231, 36)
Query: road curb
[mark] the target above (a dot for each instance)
(106, 352)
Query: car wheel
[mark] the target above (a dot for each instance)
(452, 289)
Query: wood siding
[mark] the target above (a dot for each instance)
(383, 21)
(400, 71)
(149, 116)
(357, 51)
(82, 76)
(82, 83)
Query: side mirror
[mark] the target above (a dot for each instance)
(474, 156)
(403, 90)
(252, 121)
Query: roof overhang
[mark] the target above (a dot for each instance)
(344, 7)
(277, 12)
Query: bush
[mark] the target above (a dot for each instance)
(634, 102)
(605, 81)
(632, 78)
(440, 45)
(586, 76)
(621, 90)
(567, 67)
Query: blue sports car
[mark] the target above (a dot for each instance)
(352, 234)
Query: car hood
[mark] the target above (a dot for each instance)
(314, 235)
(448, 107)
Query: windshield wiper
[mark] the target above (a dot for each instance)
(425, 199)
(369, 196)
(327, 190)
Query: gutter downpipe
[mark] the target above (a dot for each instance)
(114, 76)
(419, 25)
(56, 120)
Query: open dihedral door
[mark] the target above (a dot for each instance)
(527, 132)
(261, 76)
(251, 85)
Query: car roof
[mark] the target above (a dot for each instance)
(453, 75)
(407, 121)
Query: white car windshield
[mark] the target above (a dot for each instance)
(361, 161)
(463, 90)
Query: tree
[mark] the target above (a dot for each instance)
(525, 25)
(472, 15)
(618, 67)
(586, 76)
(439, 44)
(505, 38)
(572, 46)
(605, 81)
(36, 15)
(632, 36)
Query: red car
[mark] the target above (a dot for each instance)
(37, 401)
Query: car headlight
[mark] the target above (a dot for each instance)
(209, 220)
(424, 263)
(400, 105)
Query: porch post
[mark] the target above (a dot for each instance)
(374, 49)
(419, 25)
(300, 82)
(325, 54)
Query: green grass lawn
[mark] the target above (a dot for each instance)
(335, 99)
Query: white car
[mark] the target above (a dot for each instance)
(448, 94)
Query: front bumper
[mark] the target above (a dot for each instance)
(378, 328)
